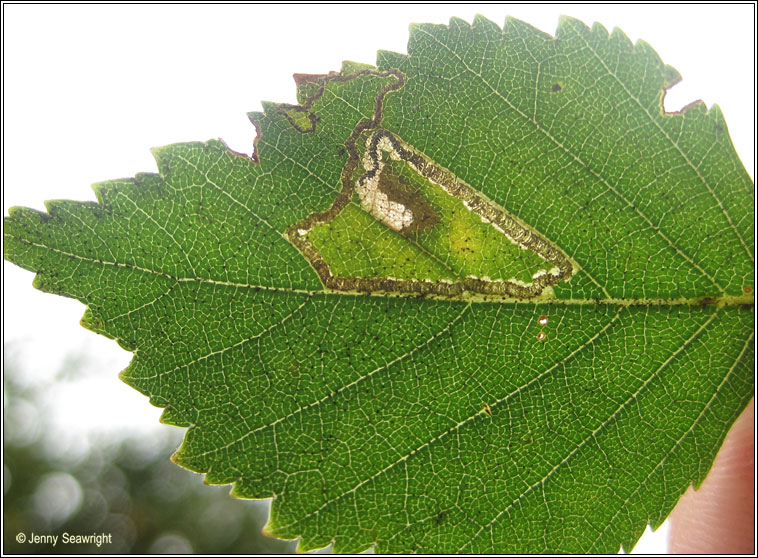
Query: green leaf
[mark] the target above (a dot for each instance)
(540, 357)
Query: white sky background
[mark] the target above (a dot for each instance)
(89, 89)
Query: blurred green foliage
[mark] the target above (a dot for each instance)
(123, 486)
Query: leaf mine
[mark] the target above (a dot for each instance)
(445, 238)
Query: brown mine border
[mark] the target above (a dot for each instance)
(487, 210)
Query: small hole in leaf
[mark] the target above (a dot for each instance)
(541, 336)
(542, 320)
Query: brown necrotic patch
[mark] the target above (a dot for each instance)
(379, 188)
(388, 196)
(398, 190)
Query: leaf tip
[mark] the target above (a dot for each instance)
(350, 67)
(513, 25)
(305, 79)
(255, 118)
(458, 22)
(176, 460)
(38, 283)
(618, 35)
(93, 323)
(269, 107)
(303, 548)
(413, 28)
(21, 213)
(161, 155)
(566, 22)
(266, 530)
(671, 77)
(482, 22)
(388, 59)
(99, 188)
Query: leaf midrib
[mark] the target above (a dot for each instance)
(603, 425)
(721, 300)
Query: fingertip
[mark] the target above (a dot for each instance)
(719, 518)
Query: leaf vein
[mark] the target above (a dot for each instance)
(678, 443)
(593, 434)
(676, 146)
(340, 389)
(458, 425)
(579, 160)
